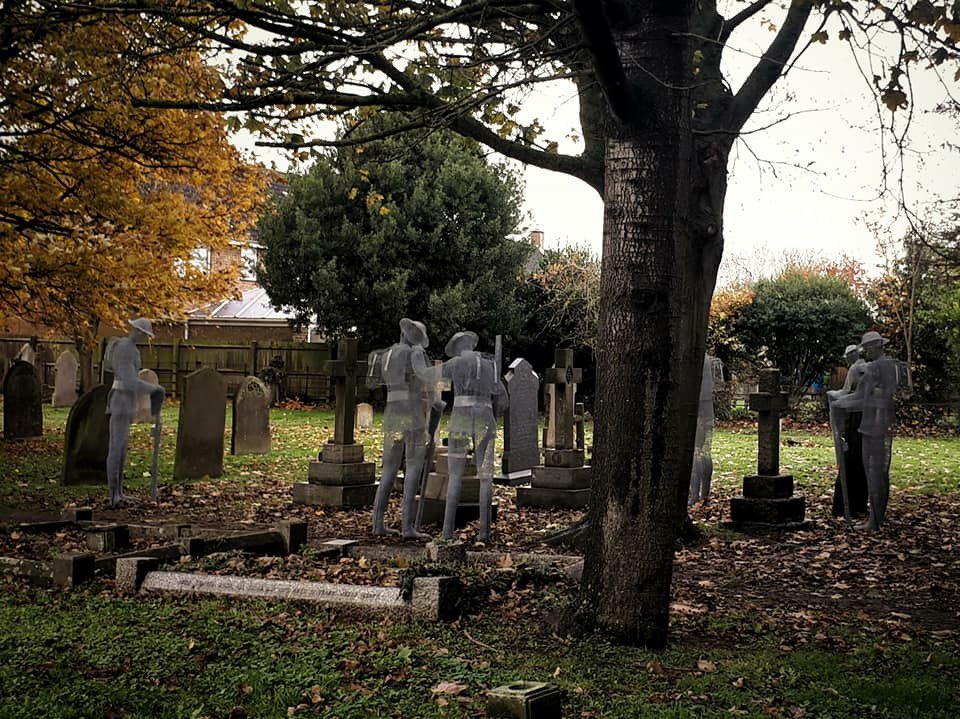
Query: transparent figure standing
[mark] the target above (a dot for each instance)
(478, 395)
(407, 374)
(701, 474)
(124, 358)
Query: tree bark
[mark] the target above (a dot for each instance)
(662, 242)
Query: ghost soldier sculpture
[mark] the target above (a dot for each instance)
(406, 372)
(477, 391)
(122, 402)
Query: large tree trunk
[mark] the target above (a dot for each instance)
(661, 249)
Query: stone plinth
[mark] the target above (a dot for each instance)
(561, 482)
(435, 493)
(525, 700)
(339, 479)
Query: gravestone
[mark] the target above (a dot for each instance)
(250, 433)
(143, 415)
(203, 414)
(87, 439)
(65, 381)
(768, 501)
(27, 354)
(340, 477)
(521, 446)
(563, 480)
(364, 418)
(22, 403)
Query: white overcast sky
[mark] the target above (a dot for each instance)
(773, 207)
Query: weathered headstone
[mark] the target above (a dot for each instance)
(27, 354)
(563, 480)
(767, 501)
(364, 416)
(87, 439)
(22, 402)
(143, 415)
(521, 446)
(250, 432)
(340, 478)
(203, 411)
(65, 382)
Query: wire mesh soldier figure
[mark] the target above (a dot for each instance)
(406, 371)
(701, 475)
(845, 425)
(122, 402)
(477, 392)
(874, 398)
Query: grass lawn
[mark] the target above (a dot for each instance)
(828, 623)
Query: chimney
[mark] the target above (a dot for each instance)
(536, 239)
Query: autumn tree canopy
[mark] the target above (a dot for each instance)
(102, 203)
(658, 120)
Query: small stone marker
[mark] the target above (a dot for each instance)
(143, 415)
(364, 416)
(563, 480)
(340, 478)
(250, 431)
(203, 416)
(521, 446)
(65, 381)
(87, 439)
(767, 501)
(525, 700)
(22, 403)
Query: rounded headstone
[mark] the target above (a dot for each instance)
(87, 439)
(22, 402)
(203, 415)
(143, 415)
(251, 418)
(65, 380)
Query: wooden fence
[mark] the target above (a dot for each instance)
(173, 360)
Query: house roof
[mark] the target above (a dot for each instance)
(254, 304)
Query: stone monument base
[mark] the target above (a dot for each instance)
(341, 496)
(514, 479)
(548, 498)
(768, 503)
(467, 512)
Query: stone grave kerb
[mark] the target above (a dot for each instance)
(769, 402)
(345, 370)
(566, 377)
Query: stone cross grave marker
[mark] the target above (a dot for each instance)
(562, 481)
(768, 500)
(341, 478)
(143, 415)
(87, 439)
(203, 411)
(65, 381)
(769, 402)
(22, 402)
(250, 432)
(566, 377)
(521, 446)
(345, 370)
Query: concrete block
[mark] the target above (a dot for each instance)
(342, 546)
(294, 533)
(442, 465)
(69, 570)
(562, 457)
(525, 700)
(778, 486)
(342, 453)
(562, 477)
(334, 474)
(108, 539)
(442, 552)
(546, 498)
(361, 495)
(435, 598)
(77, 514)
(130, 571)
